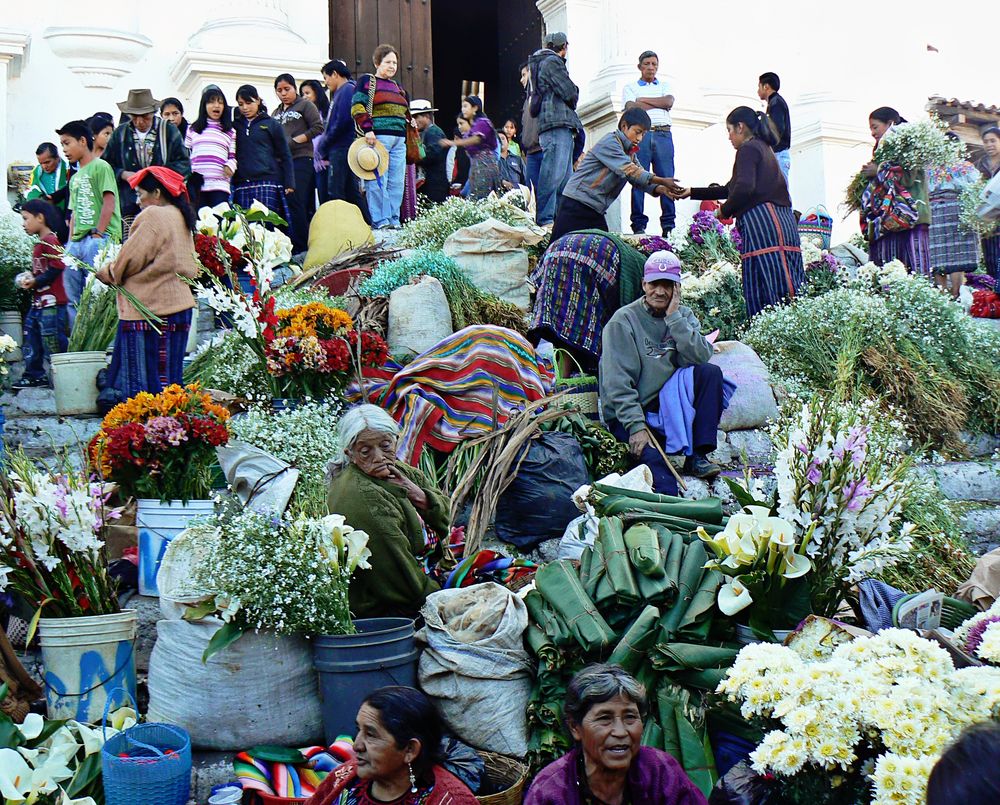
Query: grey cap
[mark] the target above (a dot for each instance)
(556, 40)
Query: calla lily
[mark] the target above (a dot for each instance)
(742, 523)
(19, 782)
(795, 565)
(81, 801)
(760, 513)
(358, 552)
(781, 531)
(32, 726)
(734, 597)
(258, 206)
(719, 547)
(208, 223)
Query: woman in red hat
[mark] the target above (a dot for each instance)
(159, 251)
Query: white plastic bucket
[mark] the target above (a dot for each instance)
(10, 324)
(74, 378)
(85, 660)
(158, 524)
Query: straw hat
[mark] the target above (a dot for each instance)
(422, 106)
(365, 160)
(139, 102)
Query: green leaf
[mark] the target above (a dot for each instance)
(87, 772)
(228, 634)
(33, 625)
(10, 735)
(199, 611)
(743, 497)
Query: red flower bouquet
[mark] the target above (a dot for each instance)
(218, 256)
(985, 305)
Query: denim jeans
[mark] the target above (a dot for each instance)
(46, 333)
(533, 163)
(385, 194)
(343, 184)
(656, 150)
(557, 165)
(784, 161)
(85, 250)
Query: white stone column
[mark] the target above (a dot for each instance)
(13, 45)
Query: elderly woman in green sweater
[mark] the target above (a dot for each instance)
(402, 513)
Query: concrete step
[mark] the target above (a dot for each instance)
(28, 402)
(981, 526)
(966, 480)
(45, 436)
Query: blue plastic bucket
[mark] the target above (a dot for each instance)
(383, 652)
(158, 524)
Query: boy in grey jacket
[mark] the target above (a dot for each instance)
(603, 173)
(643, 345)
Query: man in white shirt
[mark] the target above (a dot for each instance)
(657, 147)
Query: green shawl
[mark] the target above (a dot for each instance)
(632, 262)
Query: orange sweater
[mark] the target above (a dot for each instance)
(159, 248)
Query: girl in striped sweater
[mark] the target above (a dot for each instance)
(387, 123)
(211, 141)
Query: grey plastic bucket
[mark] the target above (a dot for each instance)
(383, 652)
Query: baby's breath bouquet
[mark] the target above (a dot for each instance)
(919, 146)
(267, 571)
(969, 202)
(863, 724)
(435, 225)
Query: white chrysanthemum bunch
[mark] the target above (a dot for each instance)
(875, 278)
(979, 636)
(884, 707)
(16, 245)
(919, 146)
(712, 280)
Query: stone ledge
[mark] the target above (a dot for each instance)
(965, 480)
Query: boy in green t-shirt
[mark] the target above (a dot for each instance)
(93, 198)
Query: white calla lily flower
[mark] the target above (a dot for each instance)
(734, 597)
(32, 726)
(795, 565)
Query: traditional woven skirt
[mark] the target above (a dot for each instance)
(145, 360)
(772, 256)
(911, 248)
(408, 210)
(952, 248)
(991, 256)
(270, 194)
(484, 174)
(577, 293)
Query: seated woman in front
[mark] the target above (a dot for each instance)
(397, 746)
(604, 711)
(405, 517)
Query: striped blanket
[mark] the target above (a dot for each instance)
(446, 395)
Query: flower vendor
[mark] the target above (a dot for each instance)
(581, 280)
(654, 366)
(895, 205)
(402, 513)
(604, 712)
(159, 251)
(757, 196)
(397, 758)
(989, 166)
(954, 250)
(480, 143)
(602, 174)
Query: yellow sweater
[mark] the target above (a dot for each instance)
(159, 248)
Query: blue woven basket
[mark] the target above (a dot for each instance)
(148, 764)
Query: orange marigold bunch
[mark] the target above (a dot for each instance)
(312, 319)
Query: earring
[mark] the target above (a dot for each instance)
(413, 779)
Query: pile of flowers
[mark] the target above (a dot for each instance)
(305, 437)
(709, 242)
(52, 531)
(265, 571)
(985, 305)
(822, 268)
(979, 636)
(919, 146)
(48, 762)
(217, 255)
(162, 445)
(969, 201)
(7, 346)
(435, 225)
(310, 349)
(762, 556)
(16, 247)
(716, 298)
(246, 231)
(864, 724)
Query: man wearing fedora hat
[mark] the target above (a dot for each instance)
(144, 141)
(434, 184)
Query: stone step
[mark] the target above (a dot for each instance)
(28, 402)
(981, 526)
(965, 480)
(44, 436)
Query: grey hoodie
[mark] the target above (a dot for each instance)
(601, 176)
(302, 117)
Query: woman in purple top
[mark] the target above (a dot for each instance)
(604, 711)
(481, 146)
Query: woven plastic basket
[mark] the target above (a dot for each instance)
(148, 763)
(953, 611)
(582, 388)
(504, 775)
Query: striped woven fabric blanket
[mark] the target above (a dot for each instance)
(457, 389)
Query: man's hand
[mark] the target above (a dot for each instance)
(638, 442)
(675, 300)
(370, 138)
(126, 175)
(227, 172)
(870, 170)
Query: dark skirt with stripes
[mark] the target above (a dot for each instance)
(270, 194)
(484, 174)
(991, 256)
(952, 248)
(911, 248)
(145, 360)
(772, 256)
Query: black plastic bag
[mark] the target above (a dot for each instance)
(538, 504)
(743, 786)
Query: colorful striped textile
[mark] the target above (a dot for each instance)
(772, 256)
(288, 780)
(446, 395)
(952, 248)
(991, 256)
(490, 566)
(577, 292)
(145, 360)
(911, 248)
(212, 151)
(389, 109)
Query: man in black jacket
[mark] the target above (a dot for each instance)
(435, 179)
(781, 121)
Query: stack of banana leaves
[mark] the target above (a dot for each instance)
(640, 598)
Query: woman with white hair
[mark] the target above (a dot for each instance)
(402, 513)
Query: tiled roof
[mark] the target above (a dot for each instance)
(963, 106)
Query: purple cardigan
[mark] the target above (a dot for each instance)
(655, 778)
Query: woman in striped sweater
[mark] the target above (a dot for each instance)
(211, 141)
(387, 122)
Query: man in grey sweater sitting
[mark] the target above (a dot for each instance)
(643, 346)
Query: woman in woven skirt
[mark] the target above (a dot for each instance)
(911, 245)
(152, 261)
(481, 146)
(989, 166)
(264, 167)
(954, 249)
(757, 196)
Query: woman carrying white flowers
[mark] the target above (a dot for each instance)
(895, 205)
(402, 513)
